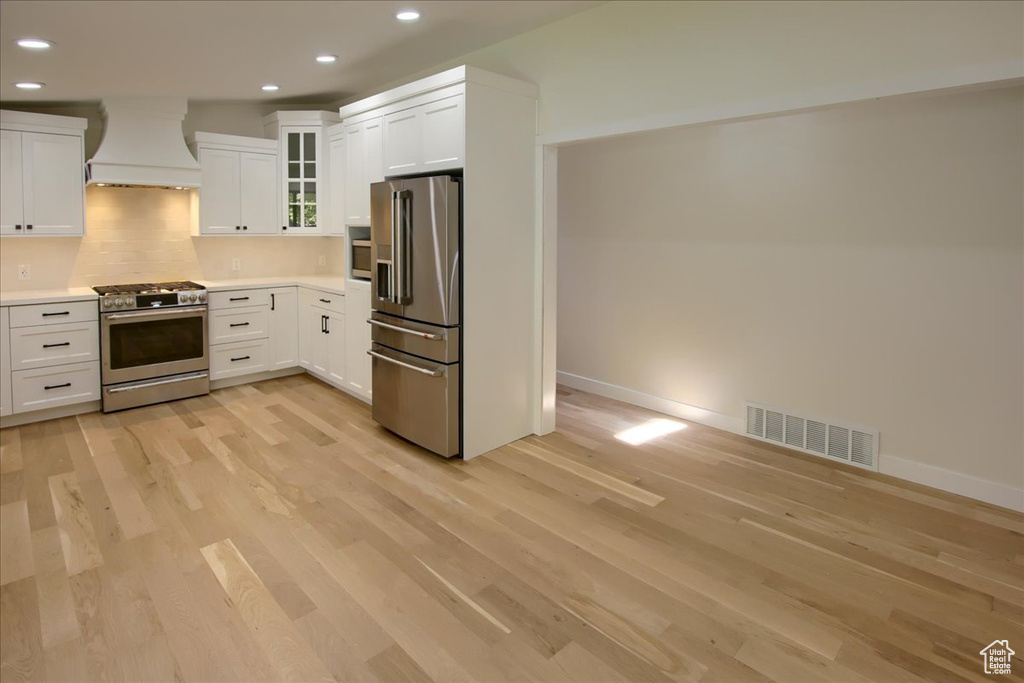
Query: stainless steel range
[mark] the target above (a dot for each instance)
(153, 343)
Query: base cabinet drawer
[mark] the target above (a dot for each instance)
(239, 297)
(52, 314)
(238, 324)
(238, 358)
(55, 386)
(47, 345)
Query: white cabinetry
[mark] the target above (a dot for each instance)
(252, 331)
(54, 357)
(305, 173)
(322, 338)
(364, 151)
(428, 137)
(284, 328)
(484, 124)
(336, 161)
(5, 364)
(357, 339)
(239, 187)
(42, 174)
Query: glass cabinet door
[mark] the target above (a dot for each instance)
(301, 166)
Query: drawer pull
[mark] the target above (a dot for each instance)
(51, 346)
(47, 315)
(325, 301)
(239, 298)
(238, 324)
(58, 386)
(241, 358)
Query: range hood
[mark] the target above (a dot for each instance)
(143, 145)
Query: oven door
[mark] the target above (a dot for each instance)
(153, 343)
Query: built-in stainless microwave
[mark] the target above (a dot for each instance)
(360, 258)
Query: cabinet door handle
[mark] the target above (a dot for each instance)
(57, 386)
(284, 227)
(325, 301)
(239, 298)
(327, 324)
(17, 226)
(245, 227)
(271, 301)
(28, 227)
(241, 358)
(238, 324)
(323, 324)
(52, 346)
(47, 315)
(238, 227)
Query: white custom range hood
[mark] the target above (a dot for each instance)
(143, 144)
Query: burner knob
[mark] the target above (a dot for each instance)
(193, 297)
(108, 302)
(202, 296)
(119, 302)
(129, 301)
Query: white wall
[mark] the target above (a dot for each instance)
(863, 263)
(631, 65)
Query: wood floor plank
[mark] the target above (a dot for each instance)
(16, 561)
(288, 652)
(21, 657)
(77, 535)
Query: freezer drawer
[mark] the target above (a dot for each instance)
(417, 399)
(439, 344)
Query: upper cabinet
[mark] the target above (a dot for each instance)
(364, 154)
(305, 172)
(427, 137)
(42, 174)
(238, 195)
(336, 162)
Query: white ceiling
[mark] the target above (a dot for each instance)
(226, 50)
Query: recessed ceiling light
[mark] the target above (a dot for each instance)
(35, 43)
(408, 15)
(327, 59)
(270, 88)
(29, 85)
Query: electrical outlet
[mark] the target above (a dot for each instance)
(322, 260)
(25, 272)
(236, 264)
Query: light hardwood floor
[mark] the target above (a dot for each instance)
(274, 532)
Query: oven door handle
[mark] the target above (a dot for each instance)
(157, 313)
(160, 382)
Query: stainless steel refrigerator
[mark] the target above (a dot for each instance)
(416, 290)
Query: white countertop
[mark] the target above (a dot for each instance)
(46, 296)
(335, 284)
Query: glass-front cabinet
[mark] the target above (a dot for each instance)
(301, 178)
(305, 173)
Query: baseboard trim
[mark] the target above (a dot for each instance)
(18, 419)
(249, 379)
(949, 481)
(662, 405)
(952, 482)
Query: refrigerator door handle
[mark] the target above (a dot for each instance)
(400, 246)
(403, 330)
(396, 255)
(410, 366)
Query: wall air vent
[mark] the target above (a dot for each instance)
(832, 440)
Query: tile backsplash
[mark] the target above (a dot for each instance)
(139, 235)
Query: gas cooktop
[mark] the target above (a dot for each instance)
(151, 295)
(149, 288)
